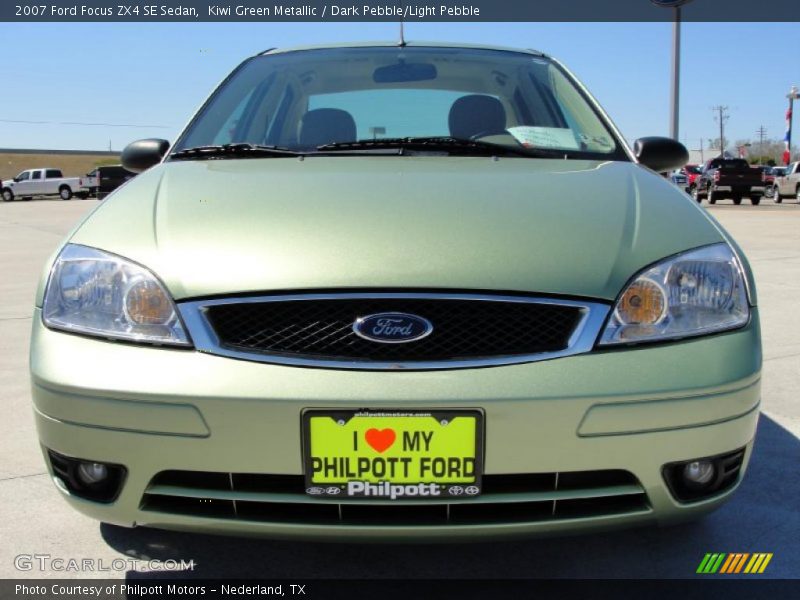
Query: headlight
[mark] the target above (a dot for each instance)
(96, 293)
(695, 293)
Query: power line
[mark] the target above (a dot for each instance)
(83, 123)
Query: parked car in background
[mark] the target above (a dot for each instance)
(768, 174)
(680, 180)
(732, 178)
(42, 182)
(101, 181)
(692, 172)
(787, 185)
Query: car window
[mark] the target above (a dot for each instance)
(395, 113)
(230, 129)
(304, 99)
(53, 174)
(36, 175)
(24, 176)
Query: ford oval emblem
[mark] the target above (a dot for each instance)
(392, 328)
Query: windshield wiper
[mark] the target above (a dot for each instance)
(242, 150)
(447, 144)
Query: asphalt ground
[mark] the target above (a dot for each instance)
(763, 516)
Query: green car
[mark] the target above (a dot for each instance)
(385, 292)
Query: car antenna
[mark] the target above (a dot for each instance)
(402, 41)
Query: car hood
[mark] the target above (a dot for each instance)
(566, 227)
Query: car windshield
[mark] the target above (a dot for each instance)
(307, 99)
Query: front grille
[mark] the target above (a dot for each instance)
(320, 328)
(520, 498)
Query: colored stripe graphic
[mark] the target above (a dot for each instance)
(731, 561)
(734, 563)
(728, 564)
(766, 562)
(703, 564)
(711, 563)
(741, 563)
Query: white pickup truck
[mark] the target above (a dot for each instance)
(42, 182)
(788, 184)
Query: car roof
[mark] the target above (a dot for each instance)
(407, 44)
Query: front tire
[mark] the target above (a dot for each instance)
(776, 195)
(65, 193)
(8, 195)
(712, 196)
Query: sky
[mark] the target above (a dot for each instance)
(136, 80)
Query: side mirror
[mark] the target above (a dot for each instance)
(141, 155)
(660, 153)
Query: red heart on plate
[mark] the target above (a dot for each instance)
(380, 439)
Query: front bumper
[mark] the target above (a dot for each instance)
(153, 409)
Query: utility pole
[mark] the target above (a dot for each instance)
(762, 134)
(675, 78)
(676, 75)
(722, 117)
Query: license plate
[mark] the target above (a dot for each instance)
(393, 454)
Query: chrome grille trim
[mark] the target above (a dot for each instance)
(511, 499)
(193, 313)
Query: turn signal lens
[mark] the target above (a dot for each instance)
(147, 304)
(643, 303)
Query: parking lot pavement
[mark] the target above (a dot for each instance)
(762, 517)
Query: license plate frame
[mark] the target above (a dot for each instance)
(388, 489)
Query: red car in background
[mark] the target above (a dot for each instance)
(691, 172)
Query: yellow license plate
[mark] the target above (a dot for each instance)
(393, 454)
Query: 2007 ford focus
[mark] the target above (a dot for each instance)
(397, 292)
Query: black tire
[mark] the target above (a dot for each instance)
(65, 192)
(27, 198)
(755, 200)
(712, 197)
(8, 195)
(737, 200)
(82, 195)
(776, 197)
(694, 192)
(797, 194)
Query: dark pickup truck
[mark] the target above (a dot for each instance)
(728, 178)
